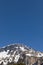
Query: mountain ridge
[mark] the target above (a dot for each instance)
(15, 52)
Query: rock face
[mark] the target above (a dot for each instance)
(18, 53)
(34, 61)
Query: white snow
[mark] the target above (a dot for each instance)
(17, 47)
(1, 61)
(29, 54)
(40, 55)
(10, 59)
(5, 62)
(4, 54)
(16, 58)
(11, 50)
(22, 48)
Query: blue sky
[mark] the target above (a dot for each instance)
(21, 21)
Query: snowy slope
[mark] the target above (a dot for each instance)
(12, 53)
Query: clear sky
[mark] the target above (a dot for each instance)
(21, 21)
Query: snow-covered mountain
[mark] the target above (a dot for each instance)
(17, 53)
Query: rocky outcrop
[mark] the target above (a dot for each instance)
(33, 60)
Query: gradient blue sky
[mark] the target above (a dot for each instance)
(21, 21)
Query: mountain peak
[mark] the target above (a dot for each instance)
(14, 52)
